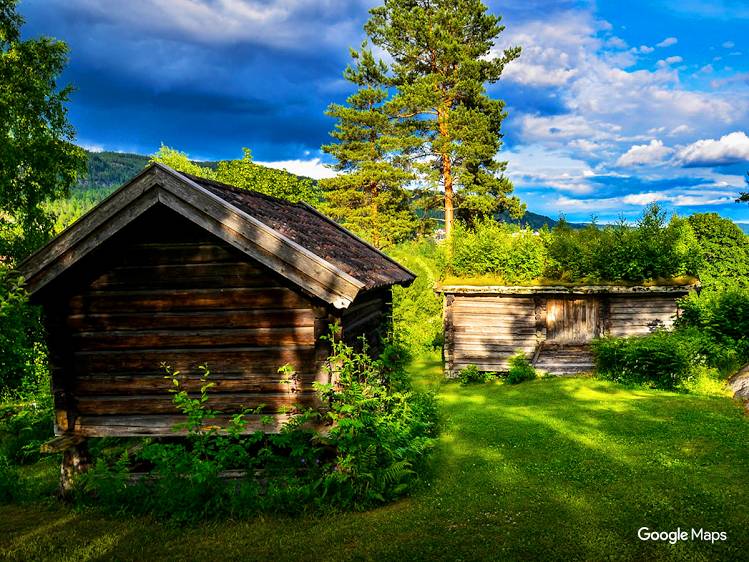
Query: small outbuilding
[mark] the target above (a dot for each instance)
(552, 325)
(175, 269)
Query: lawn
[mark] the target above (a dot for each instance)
(563, 468)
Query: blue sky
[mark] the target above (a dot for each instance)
(612, 104)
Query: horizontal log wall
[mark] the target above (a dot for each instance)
(487, 330)
(638, 315)
(166, 292)
(368, 317)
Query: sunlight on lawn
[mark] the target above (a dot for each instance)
(568, 467)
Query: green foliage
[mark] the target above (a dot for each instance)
(369, 196)
(514, 254)
(245, 174)
(38, 161)
(21, 337)
(442, 61)
(381, 429)
(723, 316)
(725, 251)
(470, 374)
(653, 249)
(378, 431)
(521, 369)
(78, 203)
(665, 359)
(111, 169)
(417, 310)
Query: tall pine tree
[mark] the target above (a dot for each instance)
(442, 62)
(369, 195)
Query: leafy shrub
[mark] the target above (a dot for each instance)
(724, 316)
(378, 431)
(515, 254)
(24, 427)
(21, 340)
(667, 360)
(520, 369)
(471, 374)
(652, 249)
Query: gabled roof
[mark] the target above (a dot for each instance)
(292, 239)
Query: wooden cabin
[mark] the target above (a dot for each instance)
(554, 326)
(175, 269)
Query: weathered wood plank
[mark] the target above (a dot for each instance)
(145, 404)
(174, 300)
(175, 276)
(105, 384)
(260, 318)
(150, 339)
(220, 361)
(163, 425)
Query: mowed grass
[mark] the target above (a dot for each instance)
(552, 469)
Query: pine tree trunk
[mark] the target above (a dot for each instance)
(375, 218)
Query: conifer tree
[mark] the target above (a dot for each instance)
(369, 195)
(442, 61)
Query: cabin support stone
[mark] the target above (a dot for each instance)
(75, 461)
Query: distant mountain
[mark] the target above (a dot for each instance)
(744, 226)
(535, 221)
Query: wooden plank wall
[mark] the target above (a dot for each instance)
(631, 315)
(171, 293)
(370, 316)
(486, 330)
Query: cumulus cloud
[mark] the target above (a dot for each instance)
(667, 42)
(645, 154)
(312, 168)
(729, 44)
(729, 149)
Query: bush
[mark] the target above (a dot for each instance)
(515, 254)
(666, 360)
(723, 316)
(378, 433)
(471, 375)
(520, 369)
(652, 249)
(21, 341)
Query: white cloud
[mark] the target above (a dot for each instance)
(729, 149)
(644, 49)
(537, 75)
(645, 154)
(729, 44)
(312, 168)
(667, 42)
(670, 60)
(680, 130)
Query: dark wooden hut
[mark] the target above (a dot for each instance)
(177, 269)
(554, 326)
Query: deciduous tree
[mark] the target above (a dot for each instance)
(38, 161)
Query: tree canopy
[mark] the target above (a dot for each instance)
(369, 196)
(38, 161)
(442, 59)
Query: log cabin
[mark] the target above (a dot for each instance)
(552, 325)
(179, 270)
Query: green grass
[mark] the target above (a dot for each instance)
(563, 468)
